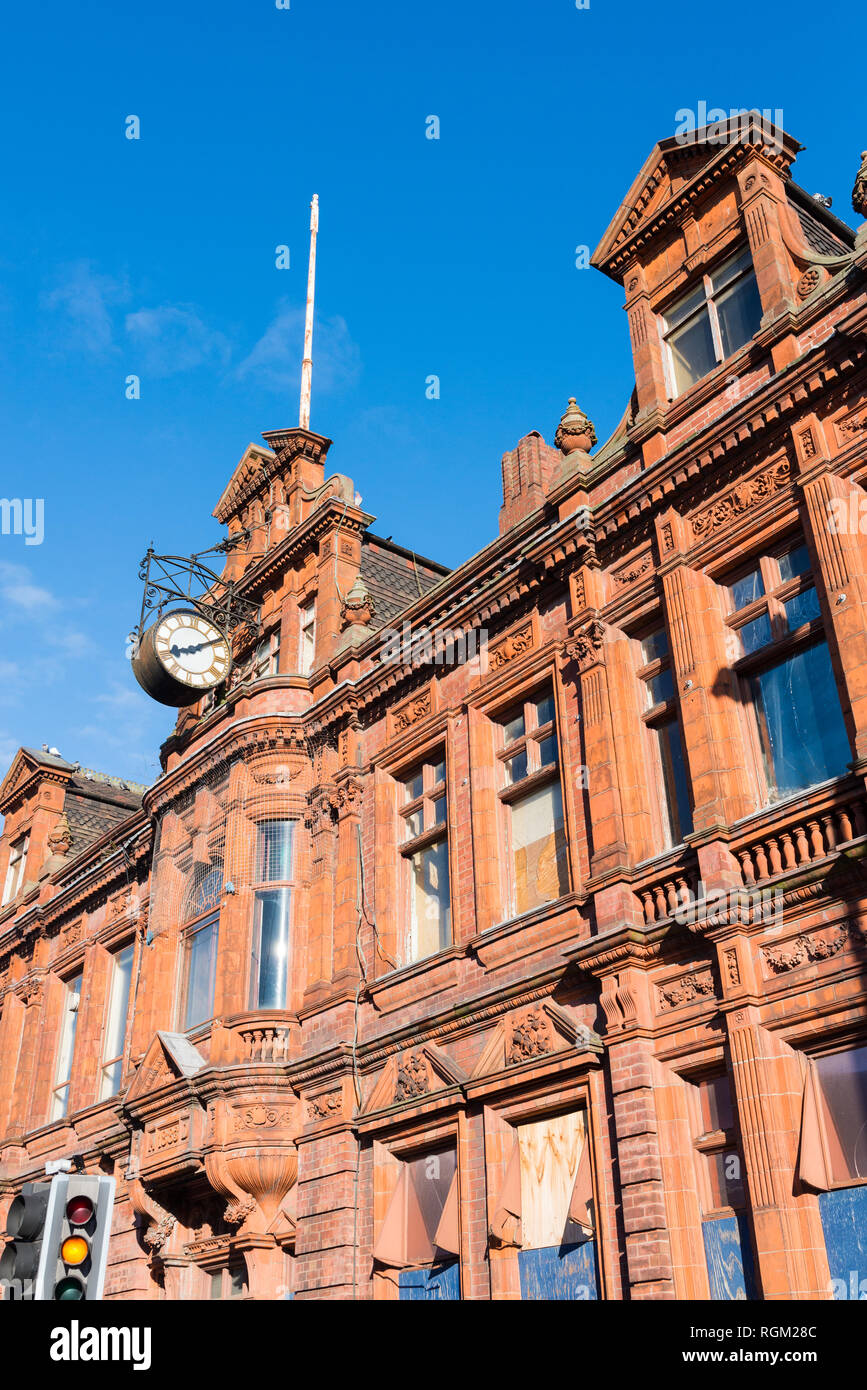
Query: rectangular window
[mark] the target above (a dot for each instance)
(533, 805)
(200, 972)
(271, 948)
(711, 322)
(425, 852)
(266, 658)
(118, 1012)
(780, 653)
(666, 745)
(842, 1078)
(718, 1156)
(308, 638)
(66, 1048)
(272, 919)
(15, 870)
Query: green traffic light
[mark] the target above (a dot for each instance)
(67, 1290)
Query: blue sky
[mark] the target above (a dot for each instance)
(453, 257)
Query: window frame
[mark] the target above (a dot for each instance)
(266, 663)
(785, 642)
(60, 1111)
(433, 832)
(15, 868)
(655, 717)
(307, 606)
(707, 1144)
(108, 1062)
(846, 1044)
(209, 918)
(708, 306)
(261, 886)
(537, 776)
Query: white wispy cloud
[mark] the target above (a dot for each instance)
(20, 596)
(275, 360)
(173, 338)
(82, 301)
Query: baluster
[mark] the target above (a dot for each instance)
(859, 824)
(845, 825)
(803, 847)
(762, 870)
(830, 833)
(661, 905)
(817, 844)
(748, 873)
(789, 858)
(776, 861)
(671, 896)
(648, 904)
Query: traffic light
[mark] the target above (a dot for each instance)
(60, 1232)
(25, 1226)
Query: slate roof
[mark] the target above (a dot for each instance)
(395, 577)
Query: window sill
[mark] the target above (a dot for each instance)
(409, 984)
(533, 932)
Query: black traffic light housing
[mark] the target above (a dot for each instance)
(59, 1239)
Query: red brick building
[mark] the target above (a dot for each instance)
(500, 932)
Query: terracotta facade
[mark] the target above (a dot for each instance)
(547, 892)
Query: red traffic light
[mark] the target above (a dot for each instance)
(79, 1210)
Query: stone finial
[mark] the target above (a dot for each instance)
(859, 192)
(358, 608)
(60, 840)
(575, 433)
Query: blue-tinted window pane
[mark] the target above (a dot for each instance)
(655, 646)
(545, 710)
(439, 811)
(271, 949)
(516, 768)
(795, 561)
(747, 589)
(692, 352)
(548, 751)
(414, 785)
(739, 311)
(800, 723)
(513, 728)
(660, 688)
(276, 845)
(675, 781)
(803, 608)
(201, 974)
(754, 635)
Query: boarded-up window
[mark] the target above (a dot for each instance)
(556, 1190)
(421, 1224)
(834, 1123)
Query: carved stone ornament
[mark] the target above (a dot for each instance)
(741, 499)
(806, 950)
(515, 644)
(685, 990)
(358, 608)
(575, 431)
(60, 840)
(530, 1036)
(413, 1078)
(324, 1107)
(586, 646)
(808, 282)
(414, 710)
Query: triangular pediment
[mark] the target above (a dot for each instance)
(250, 474)
(27, 767)
(680, 164)
(412, 1075)
(170, 1057)
(529, 1034)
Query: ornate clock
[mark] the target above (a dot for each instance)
(182, 656)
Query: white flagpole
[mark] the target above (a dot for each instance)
(307, 364)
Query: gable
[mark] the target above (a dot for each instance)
(170, 1057)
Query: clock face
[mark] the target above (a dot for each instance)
(192, 650)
